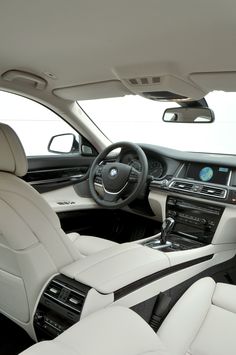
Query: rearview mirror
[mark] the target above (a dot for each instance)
(63, 144)
(188, 115)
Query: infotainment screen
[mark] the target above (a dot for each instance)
(208, 173)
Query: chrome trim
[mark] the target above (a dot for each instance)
(156, 244)
(180, 169)
(63, 303)
(53, 326)
(223, 197)
(229, 178)
(176, 188)
(188, 235)
(108, 192)
(71, 289)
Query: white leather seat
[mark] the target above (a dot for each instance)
(111, 331)
(32, 244)
(203, 322)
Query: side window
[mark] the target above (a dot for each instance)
(34, 123)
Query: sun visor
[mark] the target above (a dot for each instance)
(105, 89)
(225, 81)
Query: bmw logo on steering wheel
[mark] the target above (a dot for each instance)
(113, 172)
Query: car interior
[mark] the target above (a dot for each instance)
(117, 177)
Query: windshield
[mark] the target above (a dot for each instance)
(139, 120)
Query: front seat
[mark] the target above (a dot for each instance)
(203, 322)
(32, 244)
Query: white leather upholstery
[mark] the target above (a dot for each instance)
(12, 154)
(88, 245)
(203, 322)
(33, 246)
(31, 237)
(113, 331)
(116, 267)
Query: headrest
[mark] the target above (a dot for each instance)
(12, 154)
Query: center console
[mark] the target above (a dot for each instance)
(90, 284)
(195, 220)
(195, 224)
(103, 278)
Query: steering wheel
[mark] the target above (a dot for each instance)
(114, 184)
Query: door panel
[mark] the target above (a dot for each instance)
(47, 173)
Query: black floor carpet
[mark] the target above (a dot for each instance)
(13, 339)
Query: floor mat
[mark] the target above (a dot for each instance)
(13, 338)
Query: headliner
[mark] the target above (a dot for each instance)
(89, 41)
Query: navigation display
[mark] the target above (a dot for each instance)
(208, 173)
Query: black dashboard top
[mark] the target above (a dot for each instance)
(209, 158)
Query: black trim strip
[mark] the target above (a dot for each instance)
(73, 178)
(158, 275)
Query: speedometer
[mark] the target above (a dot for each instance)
(156, 169)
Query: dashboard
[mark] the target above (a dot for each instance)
(207, 176)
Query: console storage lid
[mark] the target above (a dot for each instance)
(116, 267)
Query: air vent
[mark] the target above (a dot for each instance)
(59, 307)
(65, 295)
(199, 189)
(148, 80)
(185, 186)
(212, 191)
(53, 290)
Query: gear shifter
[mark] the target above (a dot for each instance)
(166, 229)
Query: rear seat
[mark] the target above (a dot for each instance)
(111, 331)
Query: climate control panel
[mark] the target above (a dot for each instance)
(194, 219)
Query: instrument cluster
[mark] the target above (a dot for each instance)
(155, 167)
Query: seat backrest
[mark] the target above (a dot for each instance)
(32, 244)
(203, 321)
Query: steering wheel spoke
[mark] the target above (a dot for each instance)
(134, 175)
(110, 197)
(98, 171)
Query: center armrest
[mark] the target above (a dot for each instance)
(116, 267)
